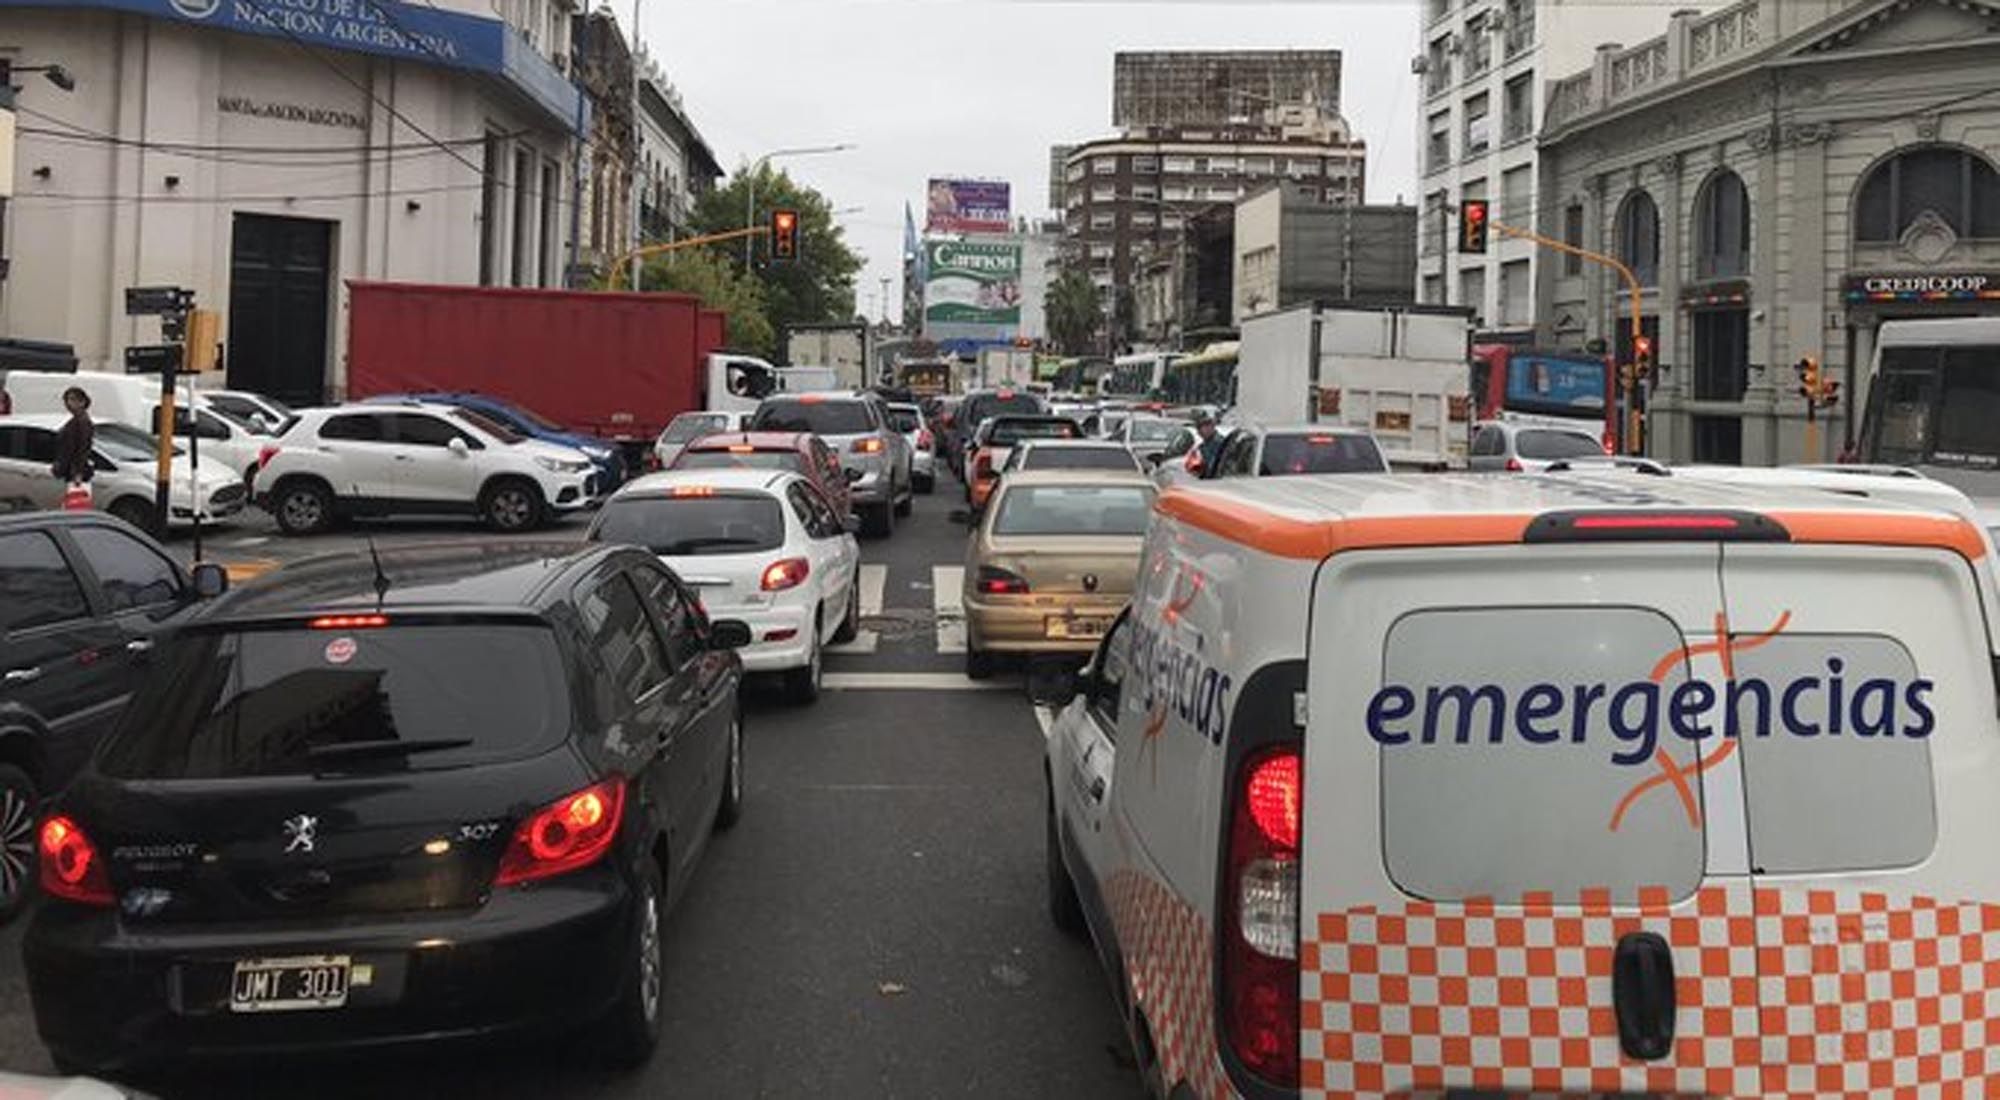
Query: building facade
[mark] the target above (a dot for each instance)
(1781, 176)
(1292, 246)
(676, 166)
(1486, 68)
(263, 152)
(1218, 87)
(605, 227)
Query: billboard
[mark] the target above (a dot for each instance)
(968, 206)
(972, 283)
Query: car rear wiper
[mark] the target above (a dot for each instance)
(391, 747)
(686, 545)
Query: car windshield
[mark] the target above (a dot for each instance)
(534, 419)
(818, 417)
(985, 406)
(687, 428)
(739, 460)
(1539, 443)
(1006, 433)
(1050, 510)
(286, 701)
(488, 425)
(124, 443)
(1154, 431)
(905, 420)
(1321, 454)
(675, 526)
(1078, 458)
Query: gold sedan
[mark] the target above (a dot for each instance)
(1051, 563)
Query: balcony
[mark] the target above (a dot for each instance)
(1692, 45)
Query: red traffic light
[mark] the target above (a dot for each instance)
(784, 234)
(1645, 347)
(1472, 226)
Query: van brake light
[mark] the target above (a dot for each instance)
(1260, 916)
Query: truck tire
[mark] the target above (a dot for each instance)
(512, 505)
(302, 506)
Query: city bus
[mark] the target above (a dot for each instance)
(925, 378)
(1565, 389)
(1934, 403)
(1208, 377)
(1137, 376)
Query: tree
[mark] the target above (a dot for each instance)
(816, 288)
(1074, 313)
(701, 273)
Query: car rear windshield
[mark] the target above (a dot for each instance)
(1078, 458)
(1320, 454)
(740, 523)
(740, 460)
(1074, 510)
(686, 428)
(905, 420)
(293, 701)
(987, 406)
(1006, 433)
(817, 417)
(1154, 431)
(1537, 443)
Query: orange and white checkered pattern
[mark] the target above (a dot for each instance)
(1781, 993)
(1169, 959)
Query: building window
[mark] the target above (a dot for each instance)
(1145, 191)
(1721, 354)
(1472, 291)
(1103, 192)
(1145, 165)
(1573, 237)
(489, 212)
(1437, 152)
(1178, 193)
(1103, 221)
(1224, 166)
(1958, 185)
(1722, 228)
(1300, 169)
(1104, 166)
(1180, 164)
(1171, 220)
(1143, 219)
(1433, 229)
(1437, 73)
(1433, 290)
(1520, 24)
(1257, 166)
(1478, 131)
(1101, 251)
(1639, 237)
(1520, 107)
(1222, 194)
(1517, 295)
(1076, 171)
(1517, 196)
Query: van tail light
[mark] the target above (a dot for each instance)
(1260, 916)
(994, 581)
(1514, 465)
(868, 445)
(573, 831)
(925, 440)
(70, 866)
(785, 573)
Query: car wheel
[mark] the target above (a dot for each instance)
(512, 506)
(802, 684)
(18, 801)
(978, 665)
(132, 510)
(879, 521)
(850, 625)
(633, 1029)
(731, 810)
(302, 507)
(1064, 908)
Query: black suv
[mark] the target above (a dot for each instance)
(83, 599)
(451, 793)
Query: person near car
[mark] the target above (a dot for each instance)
(73, 442)
(1211, 443)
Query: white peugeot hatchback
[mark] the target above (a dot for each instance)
(757, 545)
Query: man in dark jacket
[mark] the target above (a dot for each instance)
(1210, 447)
(74, 439)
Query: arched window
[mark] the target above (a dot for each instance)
(1722, 228)
(1958, 184)
(1639, 237)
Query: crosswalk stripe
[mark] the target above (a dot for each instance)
(947, 600)
(874, 581)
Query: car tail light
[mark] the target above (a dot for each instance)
(994, 581)
(1193, 460)
(266, 453)
(982, 464)
(1514, 465)
(348, 622)
(652, 461)
(1260, 949)
(1609, 441)
(573, 831)
(71, 869)
(785, 573)
(925, 440)
(868, 445)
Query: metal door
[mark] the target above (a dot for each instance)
(278, 307)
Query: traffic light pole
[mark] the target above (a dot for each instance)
(1627, 376)
(629, 261)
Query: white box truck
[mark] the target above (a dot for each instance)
(843, 348)
(1001, 367)
(1400, 372)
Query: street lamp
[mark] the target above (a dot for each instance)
(750, 184)
(54, 74)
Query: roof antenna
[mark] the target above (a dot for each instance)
(381, 577)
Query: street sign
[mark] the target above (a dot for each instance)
(152, 358)
(141, 301)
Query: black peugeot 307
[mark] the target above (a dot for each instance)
(445, 793)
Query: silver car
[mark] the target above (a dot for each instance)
(909, 421)
(874, 455)
(690, 426)
(1530, 448)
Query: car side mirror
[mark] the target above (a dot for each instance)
(457, 446)
(210, 580)
(1055, 684)
(728, 634)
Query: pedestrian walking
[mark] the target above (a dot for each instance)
(73, 449)
(1210, 448)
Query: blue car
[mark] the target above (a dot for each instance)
(604, 456)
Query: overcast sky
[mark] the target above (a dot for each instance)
(982, 88)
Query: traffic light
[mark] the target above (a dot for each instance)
(1472, 227)
(1829, 392)
(1809, 381)
(1642, 356)
(784, 234)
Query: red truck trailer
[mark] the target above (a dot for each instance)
(617, 366)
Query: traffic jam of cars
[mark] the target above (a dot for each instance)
(1510, 765)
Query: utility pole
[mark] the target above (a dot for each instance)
(1445, 211)
(638, 147)
(885, 299)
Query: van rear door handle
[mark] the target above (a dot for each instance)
(23, 675)
(1642, 990)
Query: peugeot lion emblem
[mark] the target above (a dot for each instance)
(1090, 582)
(299, 833)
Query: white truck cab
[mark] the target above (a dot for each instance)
(1568, 783)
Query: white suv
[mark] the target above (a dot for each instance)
(415, 459)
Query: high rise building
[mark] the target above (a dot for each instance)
(1194, 88)
(1058, 158)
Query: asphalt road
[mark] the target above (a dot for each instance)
(875, 926)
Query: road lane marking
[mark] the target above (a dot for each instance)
(949, 602)
(874, 580)
(908, 681)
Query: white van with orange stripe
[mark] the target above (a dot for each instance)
(1554, 784)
